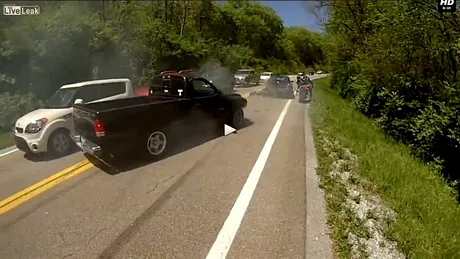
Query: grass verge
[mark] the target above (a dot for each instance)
(6, 139)
(428, 217)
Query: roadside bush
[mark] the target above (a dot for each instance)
(310, 70)
(13, 106)
(398, 63)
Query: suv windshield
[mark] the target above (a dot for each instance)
(61, 99)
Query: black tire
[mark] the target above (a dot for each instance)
(308, 96)
(236, 119)
(60, 143)
(302, 96)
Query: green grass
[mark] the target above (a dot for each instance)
(6, 139)
(428, 221)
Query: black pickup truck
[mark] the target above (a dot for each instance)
(177, 106)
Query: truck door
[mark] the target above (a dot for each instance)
(205, 97)
(183, 113)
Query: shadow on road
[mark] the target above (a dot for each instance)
(45, 157)
(134, 161)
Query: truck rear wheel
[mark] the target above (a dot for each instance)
(157, 143)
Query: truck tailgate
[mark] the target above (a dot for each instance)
(84, 123)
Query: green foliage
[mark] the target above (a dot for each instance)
(428, 215)
(18, 105)
(398, 62)
(84, 40)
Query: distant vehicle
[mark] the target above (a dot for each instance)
(305, 94)
(47, 129)
(319, 72)
(281, 86)
(246, 77)
(142, 91)
(265, 76)
(178, 106)
(305, 90)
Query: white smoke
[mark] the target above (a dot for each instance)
(219, 76)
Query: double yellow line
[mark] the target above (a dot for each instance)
(19, 198)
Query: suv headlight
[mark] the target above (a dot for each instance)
(36, 126)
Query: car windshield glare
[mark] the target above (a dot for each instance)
(62, 98)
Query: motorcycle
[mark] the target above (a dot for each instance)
(304, 92)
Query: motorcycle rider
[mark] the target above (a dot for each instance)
(300, 77)
(303, 79)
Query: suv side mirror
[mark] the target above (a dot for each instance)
(78, 101)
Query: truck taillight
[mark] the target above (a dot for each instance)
(99, 128)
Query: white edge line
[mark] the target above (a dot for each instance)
(231, 225)
(8, 152)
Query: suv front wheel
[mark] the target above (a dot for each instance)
(60, 143)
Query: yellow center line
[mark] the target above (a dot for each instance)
(30, 192)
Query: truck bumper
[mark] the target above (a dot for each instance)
(87, 146)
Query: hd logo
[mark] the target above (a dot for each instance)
(446, 6)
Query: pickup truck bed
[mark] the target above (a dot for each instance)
(124, 119)
(108, 106)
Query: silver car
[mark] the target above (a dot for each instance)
(246, 77)
(265, 76)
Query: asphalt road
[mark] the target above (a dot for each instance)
(18, 171)
(172, 208)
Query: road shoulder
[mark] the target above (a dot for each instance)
(317, 241)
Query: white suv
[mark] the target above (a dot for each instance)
(47, 129)
(265, 76)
